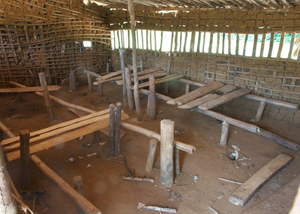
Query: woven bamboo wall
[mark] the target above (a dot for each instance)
(47, 35)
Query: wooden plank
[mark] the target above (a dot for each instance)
(240, 196)
(161, 80)
(224, 99)
(29, 89)
(160, 74)
(102, 123)
(92, 73)
(199, 92)
(113, 74)
(212, 95)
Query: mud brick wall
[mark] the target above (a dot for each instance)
(48, 35)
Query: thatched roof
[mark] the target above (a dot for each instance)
(240, 4)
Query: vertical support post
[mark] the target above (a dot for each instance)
(151, 154)
(168, 73)
(25, 159)
(100, 89)
(224, 134)
(112, 129)
(122, 58)
(128, 89)
(96, 138)
(46, 94)
(177, 163)
(187, 88)
(254, 45)
(72, 78)
(141, 63)
(135, 74)
(77, 180)
(117, 129)
(271, 45)
(7, 202)
(260, 111)
(151, 97)
(167, 153)
(107, 68)
(89, 78)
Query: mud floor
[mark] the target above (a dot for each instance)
(194, 190)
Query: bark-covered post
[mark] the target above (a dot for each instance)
(7, 204)
(122, 58)
(46, 94)
(187, 88)
(72, 78)
(177, 163)
(117, 129)
(167, 153)
(100, 89)
(151, 154)
(168, 73)
(128, 89)
(107, 67)
(135, 74)
(141, 63)
(112, 129)
(89, 78)
(77, 180)
(25, 159)
(151, 97)
(260, 111)
(224, 134)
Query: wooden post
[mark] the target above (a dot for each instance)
(151, 97)
(187, 88)
(167, 153)
(72, 78)
(89, 78)
(96, 138)
(168, 73)
(77, 180)
(260, 111)
(117, 129)
(122, 58)
(141, 63)
(25, 159)
(46, 94)
(107, 68)
(100, 89)
(224, 134)
(112, 129)
(177, 163)
(128, 89)
(151, 154)
(135, 74)
(7, 204)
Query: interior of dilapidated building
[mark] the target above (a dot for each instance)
(168, 106)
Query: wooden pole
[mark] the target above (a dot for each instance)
(87, 206)
(151, 97)
(224, 134)
(122, 58)
(6, 130)
(167, 153)
(72, 78)
(128, 89)
(141, 63)
(151, 154)
(177, 163)
(107, 68)
(117, 129)
(260, 111)
(25, 159)
(89, 78)
(7, 204)
(96, 138)
(46, 94)
(168, 73)
(100, 89)
(112, 129)
(187, 88)
(136, 81)
(77, 180)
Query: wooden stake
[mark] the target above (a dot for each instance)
(187, 88)
(128, 89)
(77, 180)
(100, 89)
(263, 45)
(89, 78)
(224, 134)
(151, 97)
(177, 163)
(72, 78)
(112, 128)
(6, 130)
(117, 129)
(136, 81)
(46, 94)
(260, 111)
(151, 154)
(87, 206)
(25, 159)
(167, 153)
(107, 68)
(271, 45)
(96, 138)
(141, 63)
(168, 73)
(122, 58)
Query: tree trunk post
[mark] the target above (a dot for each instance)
(177, 163)
(187, 88)
(107, 67)
(224, 134)
(134, 63)
(117, 129)
(151, 154)
(100, 89)
(128, 88)
(167, 153)
(77, 180)
(25, 159)
(122, 58)
(72, 78)
(168, 73)
(96, 138)
(112, 129)
(151, 97)
(260, 111)
(89, 78)
(141, 63)
(46, 94)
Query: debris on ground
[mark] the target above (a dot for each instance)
(213, 210)
(159, 209)
(89, 165)
(93, 154)
(71, 159)
(230, 181)
(138, 179)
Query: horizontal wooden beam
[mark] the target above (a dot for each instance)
(28, 89)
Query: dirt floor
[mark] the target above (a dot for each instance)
(102, 181)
